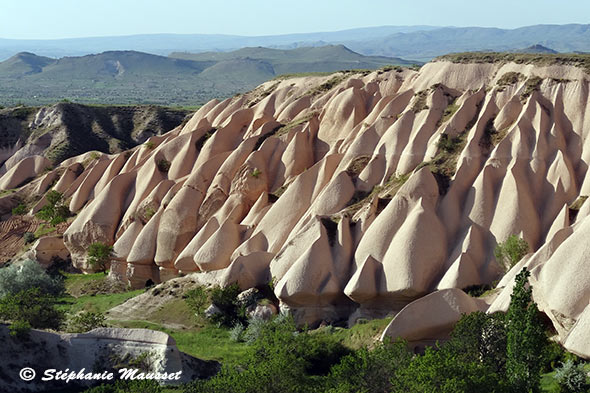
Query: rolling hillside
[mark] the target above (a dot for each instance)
(309, 59)
(129, 77)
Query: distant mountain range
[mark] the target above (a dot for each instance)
(163, 44)
(425, 45)
(130, 77)
(410, 42)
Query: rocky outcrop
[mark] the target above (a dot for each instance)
(64, 130)
(97, 351)
(432, 317)
(357, 194)
(47, 248)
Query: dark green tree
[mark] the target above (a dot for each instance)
(526, 338)
(369, 371)
(54, 212)
(31, 306)
(481, 337)
(442, 369)
(99, 256)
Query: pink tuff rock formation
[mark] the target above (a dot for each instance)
(357, 193)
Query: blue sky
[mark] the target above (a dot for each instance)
(84, 18)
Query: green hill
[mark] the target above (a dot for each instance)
(130, 77)
(22, 64)
(312, 59)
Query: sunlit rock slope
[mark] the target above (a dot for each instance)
(357, 193)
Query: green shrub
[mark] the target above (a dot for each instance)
(99, 256)
(149, 212)
(571, 377)
(149, 145)
(31, 306)
(254, 330)
(20, 210)
(281, 360)
(481, 337)
(442, 370)
(510, 78)
(163, 165)
(369, 371)
(236, 333)
(29, 237)
(197, 299)
(449, 145)
(255, 172)
(86, 321)
(29, 274)
(226, 300)
(20, 329)
(54, 212)
(511, 251)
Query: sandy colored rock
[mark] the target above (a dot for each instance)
(349, 196)
(49, 247)
(84, 351)
(432, 317)
(23, 171)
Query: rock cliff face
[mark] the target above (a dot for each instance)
(66, 129)
(358, 193)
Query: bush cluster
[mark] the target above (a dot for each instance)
(86, 321)
(55, 211)
(99, 256)
(486, 353)
(509, 252)
(28, 274)
(28, 298)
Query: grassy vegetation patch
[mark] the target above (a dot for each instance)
(274, 196)
(490, 136)
(362, 335)
(301, 75)
(509, 79)
(449, 111)
(386, 192)
(576, 60)
(328, 85)
(420, 101)
(444, 165)
(201, 141)
(44, 229)
(206, 342)
(283, 130)
(531, 85)
(357, 165)
(93, 292)
(97, 303)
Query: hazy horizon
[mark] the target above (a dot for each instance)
(66, 19)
